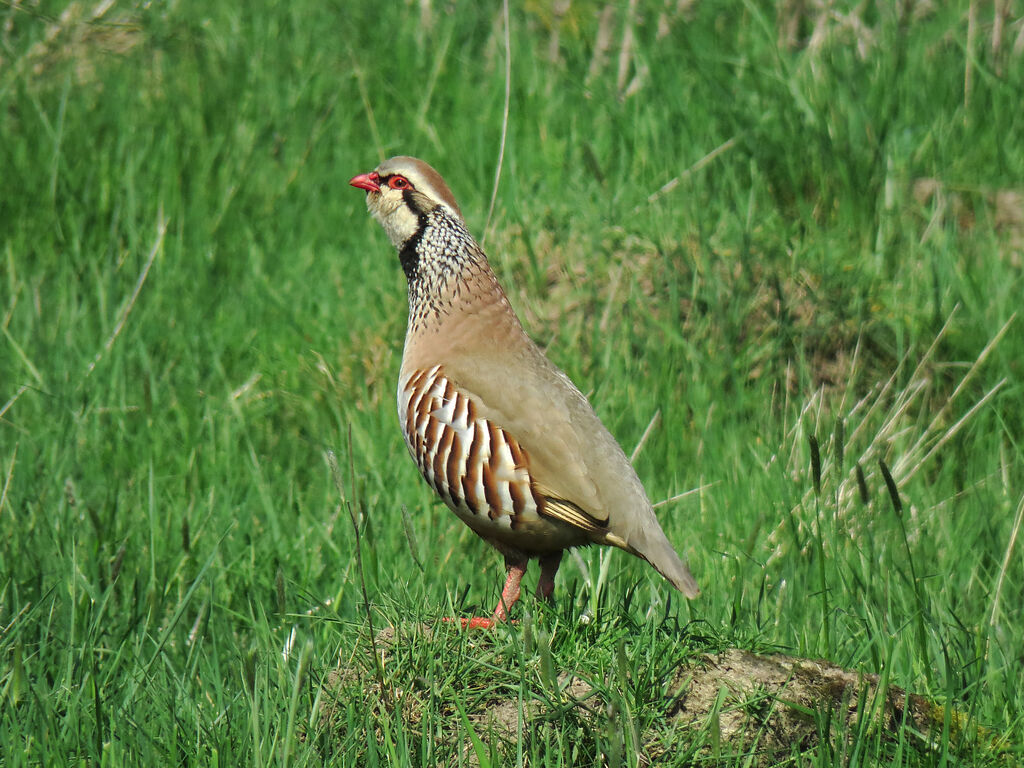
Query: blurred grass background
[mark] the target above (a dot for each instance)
(767, 231)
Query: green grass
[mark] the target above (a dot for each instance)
(195, 307)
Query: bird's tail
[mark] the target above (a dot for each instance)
(660, 554)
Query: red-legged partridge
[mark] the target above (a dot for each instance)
(501, 434)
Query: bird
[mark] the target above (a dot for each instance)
(500, 433)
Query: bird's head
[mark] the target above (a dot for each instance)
(400, 192)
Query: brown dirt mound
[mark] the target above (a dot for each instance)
(733, 703)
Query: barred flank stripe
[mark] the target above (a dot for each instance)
(491, 493)
(429, 446)
(517, 492)
(497, 440)
(472, 463)
(471, 479)
(452, 474)
(440, 458)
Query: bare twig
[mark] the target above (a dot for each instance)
(679, 496)
(673, 183)
(504, 117)
(7, 480)
(365, 98)
(161, 230)
(1006, 562)
(332, 462)
(602, 42)
(643, 438)
(13, 400)
(626, 51)
(1000, 15)
(972, 33)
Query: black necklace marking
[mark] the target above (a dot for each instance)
(409, 253)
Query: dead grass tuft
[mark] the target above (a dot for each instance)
(84, 35)
(949, 203)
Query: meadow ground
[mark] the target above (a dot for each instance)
(780, 246)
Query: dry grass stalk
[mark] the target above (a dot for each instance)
(895, 413)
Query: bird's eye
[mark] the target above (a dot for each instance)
(399, 182)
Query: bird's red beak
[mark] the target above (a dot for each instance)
(367, 181)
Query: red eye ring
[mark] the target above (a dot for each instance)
(399, 182)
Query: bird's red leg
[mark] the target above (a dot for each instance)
(509, 595)
(548, 568)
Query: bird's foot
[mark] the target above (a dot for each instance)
(509, 595)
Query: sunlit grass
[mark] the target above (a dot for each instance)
(780, 251)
